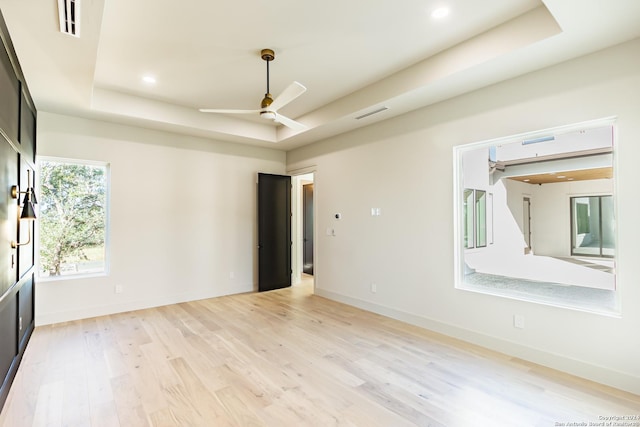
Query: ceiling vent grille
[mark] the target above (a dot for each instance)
(69, 14)
(371, 113)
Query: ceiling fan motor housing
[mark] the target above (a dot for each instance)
(266, 101)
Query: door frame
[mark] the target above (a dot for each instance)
(307, 227)
(296, 223)
(526, 224)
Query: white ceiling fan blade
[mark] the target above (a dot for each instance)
(292, 91)
(218, 110)
(290, 123)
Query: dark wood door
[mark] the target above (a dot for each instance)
(8, 267)
(307, 228)
(274, 231)
(8, 215)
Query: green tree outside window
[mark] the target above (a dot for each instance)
(73, 206)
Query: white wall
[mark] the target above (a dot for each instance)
(404, 166)
(198, 199)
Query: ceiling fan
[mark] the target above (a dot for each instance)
(269, 107)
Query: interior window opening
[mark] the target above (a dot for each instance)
(547, 209)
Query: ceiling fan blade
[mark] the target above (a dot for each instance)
(292, 91)
(218, 110)
(290, 123)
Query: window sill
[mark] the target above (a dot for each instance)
(42, 279)
(589, 300)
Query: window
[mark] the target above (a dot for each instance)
(475, 218)
(592, 226)
(468, 218)
(551, 254)
(73, 217)
(481, 218)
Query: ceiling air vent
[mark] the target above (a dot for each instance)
(371, 113)
(69, 14)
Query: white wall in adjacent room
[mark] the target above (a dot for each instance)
(182, 217)
(550, 213)
(404, 167)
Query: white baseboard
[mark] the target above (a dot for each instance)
(599, 374)
(43, 319)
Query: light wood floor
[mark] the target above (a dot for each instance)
(284, 358)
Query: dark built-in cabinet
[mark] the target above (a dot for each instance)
(17, 162)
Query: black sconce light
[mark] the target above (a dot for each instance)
(28, 212)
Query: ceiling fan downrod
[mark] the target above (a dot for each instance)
(268, 55)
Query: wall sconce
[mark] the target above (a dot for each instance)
(28, 212)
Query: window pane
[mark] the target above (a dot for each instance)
(468, 218)
(481, 218)
(593, 226)
(586, 238)
(608, 226)
(582, 216)
(73, 208)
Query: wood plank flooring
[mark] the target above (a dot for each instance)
(284, 358)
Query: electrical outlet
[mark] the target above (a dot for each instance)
(232, 275)
(518, 321)
(374, 288)
(118, 289)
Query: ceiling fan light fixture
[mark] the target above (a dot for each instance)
(268, 115)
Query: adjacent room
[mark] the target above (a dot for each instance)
(538, 218)
(312, 214)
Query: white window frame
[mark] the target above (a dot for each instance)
(107, 246)
(458, 212)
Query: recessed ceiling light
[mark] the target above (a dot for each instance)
(148, 79)
(569, 179)
(440, 13)
(561, 176)
(526, 180)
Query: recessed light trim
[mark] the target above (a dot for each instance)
(149, 79)
(439, 13)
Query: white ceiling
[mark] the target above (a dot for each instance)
(353, 56)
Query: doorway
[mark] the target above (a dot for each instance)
(303, 254)
(307, 229)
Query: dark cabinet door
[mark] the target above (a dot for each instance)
(8, 215)
(25, 313)
(27, 131)
(9, 346)
(10, 99)
(17, 157)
